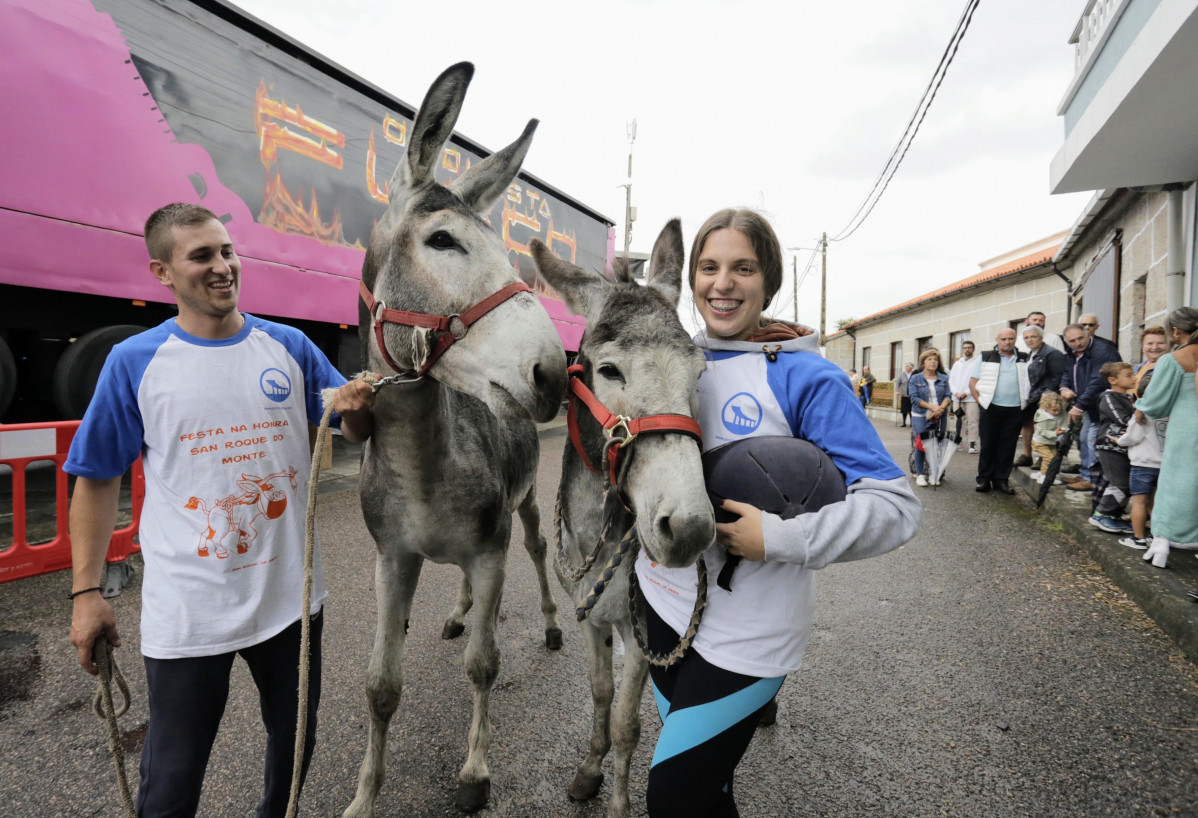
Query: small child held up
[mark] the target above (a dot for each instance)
(1144, 441)
(1050, 422)
(1116, 410)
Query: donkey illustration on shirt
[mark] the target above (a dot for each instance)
(231, 518)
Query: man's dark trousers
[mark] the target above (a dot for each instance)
(187, 701)
(998, 431)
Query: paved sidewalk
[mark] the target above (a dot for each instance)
(1161, 593)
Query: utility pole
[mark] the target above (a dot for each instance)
(823, 288)
(795, 259)
(629, 210)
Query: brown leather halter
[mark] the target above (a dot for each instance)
(448, 328)
(633, 427)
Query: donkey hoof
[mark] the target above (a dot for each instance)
(585, 786)
(769, 714)
(472, 796)
(553, 638)
(453, 630)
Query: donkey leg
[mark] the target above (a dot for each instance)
(589, 776)
(455, 625)
(395, 579)
(482, 666)
(534, 544)
(626, 725)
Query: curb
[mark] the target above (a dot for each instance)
(1159, 593)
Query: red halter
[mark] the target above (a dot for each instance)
(649, 424)
(451, 328)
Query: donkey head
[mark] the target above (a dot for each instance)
(432, 253)
(639, 361)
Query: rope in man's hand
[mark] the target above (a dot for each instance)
(106, 711)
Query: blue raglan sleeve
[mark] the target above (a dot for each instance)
(319, 373)
(111, 434)
(880, 512)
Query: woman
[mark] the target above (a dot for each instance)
(1154, 343)
(930, 398)
(1172, 394)
(900, 387)
(750, 639)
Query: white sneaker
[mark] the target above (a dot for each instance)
(921, 480)
(1038, 477)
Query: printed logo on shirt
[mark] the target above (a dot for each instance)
(741, 414)
(275, 384)
(228, 524)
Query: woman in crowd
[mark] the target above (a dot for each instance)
(1154, 343)
(930, 399)
(750, 639)
(1172, 394)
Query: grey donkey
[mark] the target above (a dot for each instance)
(638, 361)
(453, 454)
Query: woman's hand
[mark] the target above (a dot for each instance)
(1141, 418)
(742, 537)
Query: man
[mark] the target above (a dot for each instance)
(901, 388)
(999, 384)
(1045, 366)
(867, 386)
(217, 402)
(1082, 383)
(1036, 319)
(1089, 322)
(958, 384)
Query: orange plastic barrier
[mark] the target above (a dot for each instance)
(24, 443)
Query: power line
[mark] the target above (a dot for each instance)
(921, 110)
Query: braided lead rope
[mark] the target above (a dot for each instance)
(635, 598)
(305, 659)
(569, 571)
(106, 711)
(606, 575)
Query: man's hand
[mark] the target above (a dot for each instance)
(1075, 414)
(1067, 393)
(92, 617)
(742, 537)
(353, 402)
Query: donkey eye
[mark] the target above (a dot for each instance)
(441, 240)
(611, 373)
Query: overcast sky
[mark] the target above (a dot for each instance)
(791, 107)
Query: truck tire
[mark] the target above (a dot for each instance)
(79, 367)
(8, 377)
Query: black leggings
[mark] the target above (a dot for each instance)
(187, 700)
(708, 717)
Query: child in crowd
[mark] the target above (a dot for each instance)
(1144, 441)
(1116, 410)
(1050, 422)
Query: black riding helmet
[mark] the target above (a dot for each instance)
(786, 476)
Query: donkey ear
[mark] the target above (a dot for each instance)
(434, 123)
(485, 182)
(583, 291)
(665, 263)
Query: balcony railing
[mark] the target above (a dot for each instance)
(1092, 28)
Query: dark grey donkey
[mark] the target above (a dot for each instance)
(454, 453)
(638, 361)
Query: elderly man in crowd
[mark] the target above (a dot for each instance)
(1089, 322)
(1000, 386)
(1082, 384)
(1045, 366)
(958, 384)
(1051, 339)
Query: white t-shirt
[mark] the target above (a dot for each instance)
(222, 428)
(761, 627)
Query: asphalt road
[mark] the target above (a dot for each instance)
(988, 668)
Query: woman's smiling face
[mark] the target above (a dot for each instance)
(729, 286)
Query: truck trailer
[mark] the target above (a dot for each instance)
(113, 108)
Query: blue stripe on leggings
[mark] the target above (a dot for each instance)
(663, 704)
(692, 726)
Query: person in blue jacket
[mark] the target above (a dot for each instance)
(1082, 384)
(930, 399)
(763, 377)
